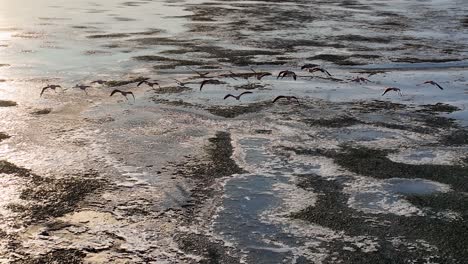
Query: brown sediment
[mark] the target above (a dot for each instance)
(420, 60)
(332, 211)
(234, 111)
(114, 83)
(438, 107)
(110, 35)
(250, 86)
(171, 89)
(10, 168)
(68, 256)
(457, 137)
(172, 63)
(212, 251)
(345, 59)
(159, 41)
(49, 197)
(4, 103)
(83, 27)
(438, 121)
(339, 121)
(464, 22)
(376, 105)
(123, 19)
(174, 103)
(3, 136)
(375, 163)
(370, 72)
(44, 111)
(204, 172)
(359, 38)
(219, 162)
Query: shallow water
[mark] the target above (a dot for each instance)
(153, 152)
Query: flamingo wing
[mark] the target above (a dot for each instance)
(440, 87)
(279, 97)
(115, 91)
(43, 90)
(229, 95)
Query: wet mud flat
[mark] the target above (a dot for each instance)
(180, 175)
(283, 182)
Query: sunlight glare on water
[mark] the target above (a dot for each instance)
(44, 38)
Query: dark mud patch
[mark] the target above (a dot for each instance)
(151, 58)
(115, 83)
(49, 197)
(404, 127)
(400, 239)
(457, 137)
(438, 121)
(112, 46)
(250, 86)
(170, 63)
(453, 201)
(204, 246)
(263, 131)
(359, 38)
(235, 111)
(174, 103)
(217, 164)
(44, 111)
(375, 163)
(7, 103)
(439, 107)
(4, 65)
(68, 256)
(10, 168)
(241, 57)
(53, 198)
(83, 27)
(369, 72)
(425, 60)
(345, 59)
(124, 19)
(376, 105)
(172, 89)
(464, 22)
(340, 121)
(102, 120)
(238, 57)
(3, 136)
(107, 36)
(159, 41)
(131, 3)
(393, 116)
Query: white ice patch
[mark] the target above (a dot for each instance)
(442, 156)
(294, 199)
(384, 196)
